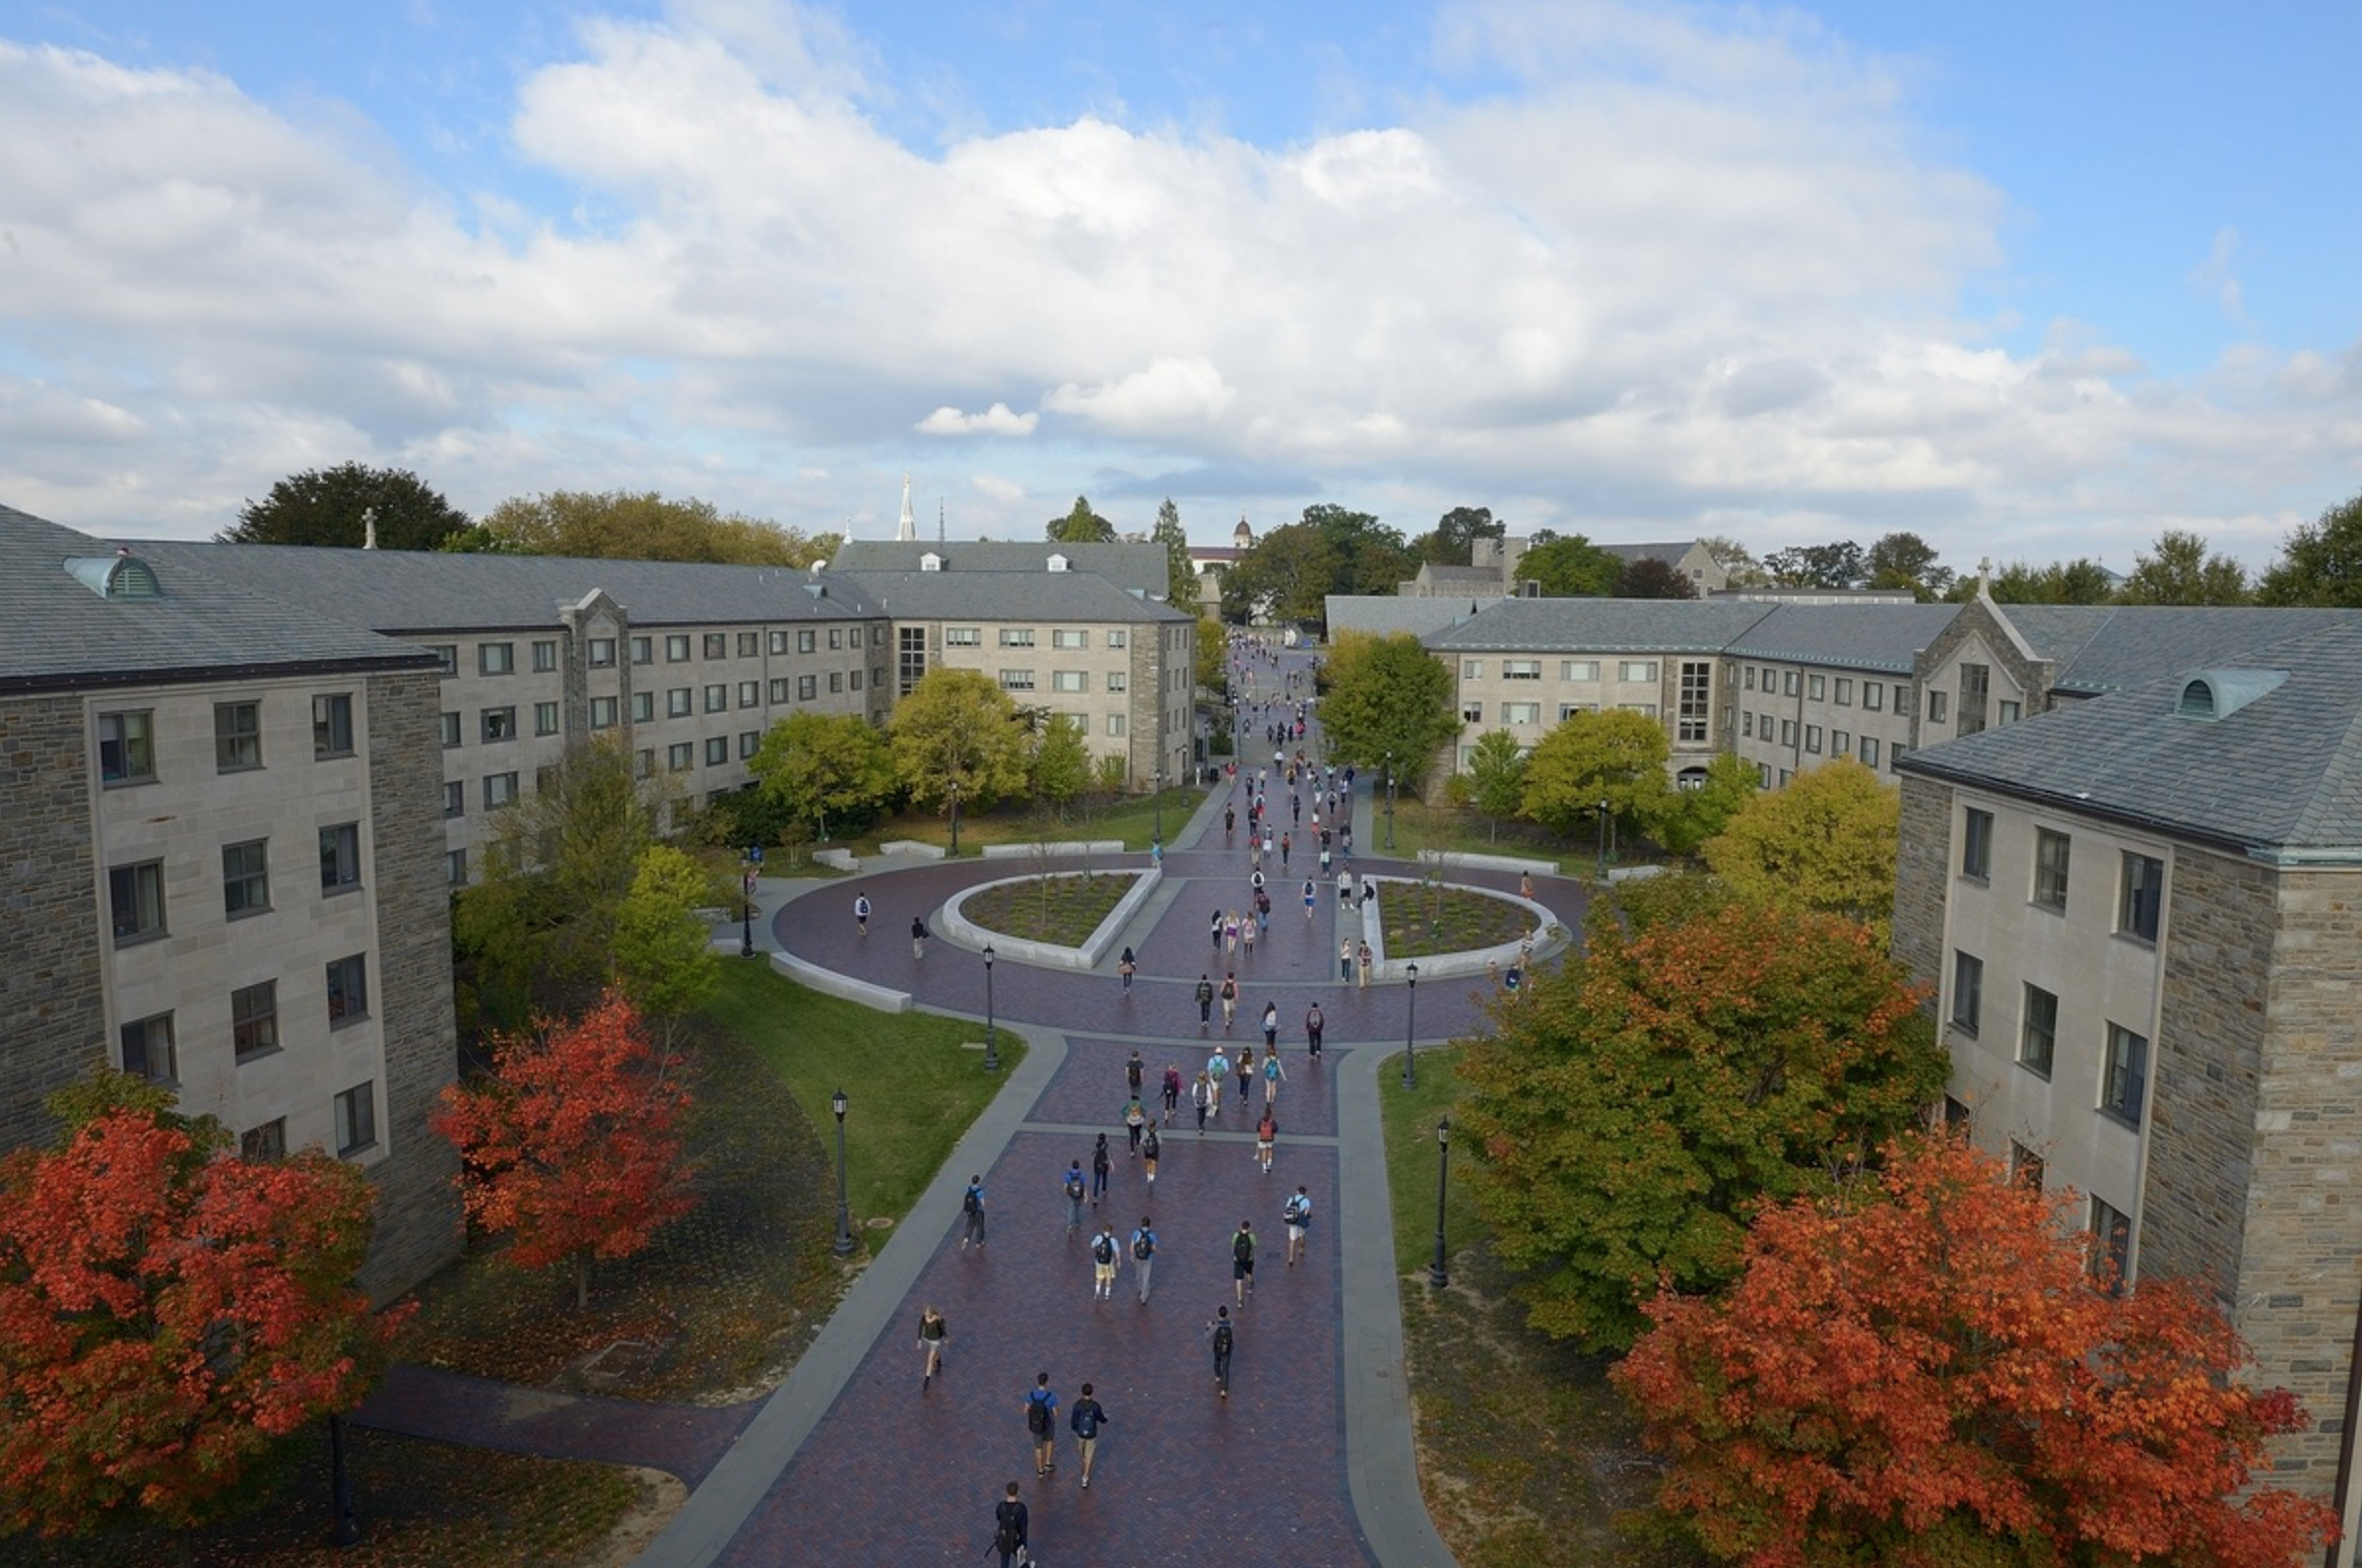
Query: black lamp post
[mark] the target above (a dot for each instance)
(1411, 1029)
(345, 1530)
(1602, 840)
(992, 1044)
(746, 943)
(844, 1218)
(955, 817)
(1438, 1275)
(1160, 803)
(1390, 802)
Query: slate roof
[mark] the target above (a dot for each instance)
(1473, 576)
(1142, 567)
(1606, 626)
(1045, 596)
(2108, 648)
(1669, 551)
(1862, 637)
(422, 590)
(1384, 615)
(60, 635)
(2280, 778)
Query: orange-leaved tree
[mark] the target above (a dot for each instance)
(1924, 1369)
(570, 1141)
(167, 1312)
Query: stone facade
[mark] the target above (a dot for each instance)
(1923, 854)
(51, 993)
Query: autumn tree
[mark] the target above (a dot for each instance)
(1387, 696)
(1826, 840)
(957, 727)
(168, 1311)
(568, 1144)
(1651, 578)
(624, 525)
(1571, 567)
(1589, 759)
(1496, 777)
(1180, 577)
(335, 507)
(1700, 813)
(1082, 526)
(2178, 570)
(1921, 1368)
(1633, 1109)
(820, 767)
(664, 958)
(2321, 564)
(1060, 768)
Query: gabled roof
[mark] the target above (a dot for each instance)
(1384, 615)
(1670, 550)
(1857, 636)
(1142, 567)
(63, 633)
(2279, 776)
(986, 596)
(414, 591)
(2108, 648)
(1605, 625)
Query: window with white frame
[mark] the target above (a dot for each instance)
(1521, 669)
(1637, 669)
(1017, 636)
(962, 636)
(1016, 679)
(499, 789)
(1471, 713)
(495, 658)
(1578, 669)
(1069, 680)
(1116, 724)
(1521, 713)
(1118, 680)
(1065, 638)
(1471, 669)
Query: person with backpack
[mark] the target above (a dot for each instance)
(971, 1205)
(1314, 1023)
(1270, 1030)
(1246, 1075)
(1225, 1339)
(1172, 1091)
(1201, 1095)
(1136, 1122)
(1041, 1419)
(1098, 1170)
(918, 937)
(1150, 1147)
(1242, 1263)
(1218, 1073)
(1084, 1420)
(1103, 1257)
(1274, 1075)
(861, 913)
(1071, 1186)
(1229, 1000)
(1127, 966)
(1311, 897)
(1009, 1523)
(1267, 1132)
(1205, 1003)
(1297, 1213)
(934, 1335)
(1144, 1256)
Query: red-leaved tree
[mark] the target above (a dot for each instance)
(166, 1312)
(1924, 1370)
(570, 1141)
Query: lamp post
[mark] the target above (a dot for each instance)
(992, 1042)
(1439, 1276)
(746, 907)
(1411, 1029)
(1602, 840)
(1160, 803)
(345, 1530)
(955, 817)
(1390, 803)
(844, 1218)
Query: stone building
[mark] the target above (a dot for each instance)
(2137, 913)
(223, 828)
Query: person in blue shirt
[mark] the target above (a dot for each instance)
(1144, 1256)
(1041, 1419)
(1075, 1191)
(971, 1209)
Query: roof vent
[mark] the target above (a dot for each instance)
(2219, 694)
(121, 576)
(931, 561)
(1058, 562)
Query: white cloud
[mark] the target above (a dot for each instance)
(2213, 277)
(1168, 397)
(995, 421)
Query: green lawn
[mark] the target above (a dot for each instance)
(1129, 818)
(1060, 909)
(1420, 921)
(1419, 826)
(912, 1086)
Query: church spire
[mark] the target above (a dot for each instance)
(909, 528)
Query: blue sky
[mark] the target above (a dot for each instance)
(2034, 281)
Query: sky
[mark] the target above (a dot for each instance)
(2033, 281)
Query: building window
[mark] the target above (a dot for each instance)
(1870, 751)
(1119, 639)
(2037, 1031)
(717, 645)
(1843, 696)
(356, 1119)
(808, 686)
(236, 736)
(2025, 1166)
(1968, 992)
(746, 644)
(1975, 844)
(455, 867)
(643, 650)
(1016, 679)
(749, 741)
(1812, 738)
(544, 715)
(545, 656)
(449, 723)
(246, 878)
(836, 639)
(1521, 713)
(2143, 900)
(1069, 680)
(836, 679)
(446, 657)
(2007, 712)
(717, 698)
(1063, 638)
(1841, 742)
(126, 747)
(499, 724)
(1788, 731)
(2050, 869)
(1874, 695)
(1976, 691)
(1817, 687)
(643, 707)
(135, 894)
(2112, 1244)
(1472, 712)
(807, 641)
(1578, 669)
(1746, 725)
(348, 990)
(1788, 682)
(602, 653)
(1017, 636)
(2124, 1089)
(1694, 711)
(958, 636)
(1894, 756)
(1471, 669)
(499, 789)
(1938, 705)
(717, 750)
(455, 799)
(676, 647)
(1746, 676)
(264, 1144)
(1118, 680)
(340, 857)
(1521, 669)
(1115, 724)
(777, 690)
(750, 693)
(1637, 669)
(495, 658)
(254, 1018)
(1902, 700)
(775, 641)
(679, 702)
(148, 1048)
(680, 757)
(643, 762)
(332, 725)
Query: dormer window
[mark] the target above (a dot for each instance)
(121, 576)
(931, 561)
(2219, 694)
(1058, 562)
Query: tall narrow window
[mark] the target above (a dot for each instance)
(1975, 844)
(1976, 684)
(356, 1119)
(2124, 1089)
(332, 725)
(348, 990)
(126, 747)
(254, 1018)
(340, 858)
(2037, 1031)
(2143, 898)
(2050, 868)
(245, 877)
(135, 896)
(2112, 1249)
(1968, 992)
(236, 736)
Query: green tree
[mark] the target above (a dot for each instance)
(1837, 564)
(1589, 759)
(1825, 841)
(620, 525)
(1062, 766)
(1572, 568)
(1496, 777)
(1634, 1109)
(1906, 561)
(664, 958)
(1651, 578)
(1180, 577)
(2321, 564)
(1452, 543)
(2082, 581)
(1286, 578)
(329, 505)
(957, 727)
(2178, 571)
(1214, 655)
(820, 766)
(1082, 526)
(1371, 558)
(1387, 696)
(1704, 811)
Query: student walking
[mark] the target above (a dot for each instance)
(1098, 1170)
(1267, 1132)
(918, 937)
(1344, 960)
(1008, 1526)
(1073, 1187)
(1041, 1419)
(1230, 1000)
(1136, 1122)
(1217, 929)
(1201, 1095)
(1084, 1420)
(1247, 933)
(1103, 1257)
(1246, 1077)
(1311, 894)
(971, 1207)
(1225, 1339)
(1218, 1073)
(1144, 1256)
(1242, 1264)
(1271, 1029)
(1288, 841)
(1205, 1003)
(1274, 1075)
(1230, 932)
(1364, 958)
(861, 913)
(934, 1335)
(1149, 1148)
(1172, 1091)
(1134, 1071)
(1126, 966)
(1313, 1024)
(1297, 1213)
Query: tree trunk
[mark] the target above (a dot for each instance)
(582, 1264)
